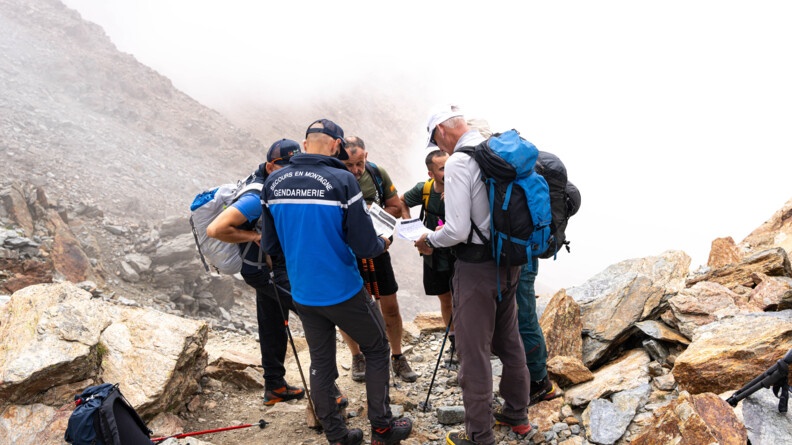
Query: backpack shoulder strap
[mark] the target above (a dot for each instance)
(470, 151)
(252, 187)
(378, 181)
(426, 192)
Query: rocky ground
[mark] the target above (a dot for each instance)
(222, 404)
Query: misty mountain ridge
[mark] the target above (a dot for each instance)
(96, 128)
(93, 120)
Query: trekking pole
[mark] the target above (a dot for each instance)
(426, 405)
(261, 424)
(291, 340)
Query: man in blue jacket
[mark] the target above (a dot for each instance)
(315, 215)
(238, 224)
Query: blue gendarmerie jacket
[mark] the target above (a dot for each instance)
(314, 213)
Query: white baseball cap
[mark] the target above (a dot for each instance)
(440, 115)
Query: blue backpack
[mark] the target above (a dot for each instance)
(104, 417)
(519, 198)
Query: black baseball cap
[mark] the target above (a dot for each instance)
(331, 129)
(281, 151)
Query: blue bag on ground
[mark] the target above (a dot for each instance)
(104, 417)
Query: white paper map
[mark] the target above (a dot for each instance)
(384, 223)
(412, 229)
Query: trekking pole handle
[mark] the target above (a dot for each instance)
(767, 379)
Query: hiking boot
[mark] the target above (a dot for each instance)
(543, 390)
(359, 367)
(398, 430)
(353, 437)
(282, 394)
(456, 438)
(402, 369)
(518, 425)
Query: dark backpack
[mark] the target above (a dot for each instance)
(564, 200)
(104, 417)
(519, 199)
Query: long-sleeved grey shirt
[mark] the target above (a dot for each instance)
(465, 197)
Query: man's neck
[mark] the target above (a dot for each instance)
(438, 186)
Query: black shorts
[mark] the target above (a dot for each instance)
(436, 283)
(383, 269)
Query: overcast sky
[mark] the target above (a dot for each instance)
(673, 118)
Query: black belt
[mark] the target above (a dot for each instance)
(472, 253)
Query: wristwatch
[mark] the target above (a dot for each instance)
(428, 243)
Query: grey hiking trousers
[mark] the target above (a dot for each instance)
(362, 320)
(484, 325)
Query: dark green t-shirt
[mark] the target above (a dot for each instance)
(440, 259)
(369, 190)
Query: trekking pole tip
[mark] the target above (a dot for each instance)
(424, 406)
(262, 423)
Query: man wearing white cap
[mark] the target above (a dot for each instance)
(483, 324)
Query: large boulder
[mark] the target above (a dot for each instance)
(627, 372)
(562, 327)
(49, 336)
(727, 354)
(56, 339)
(700, 305)
(68, 258)
(771, 262)
(612, 301)
(35, 424)
(693, 420)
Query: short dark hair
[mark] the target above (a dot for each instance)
(432, 155)
(355, 142)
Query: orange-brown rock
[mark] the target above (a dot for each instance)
(562, 325)
(699, 305)
(546, 414)
(775, 232)
(772, 262)
(568, 370)
(770, 291)
(727, 354)
(694, 420)
(22, 274)
(429, 322)
(67, 256)
(724, 251)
